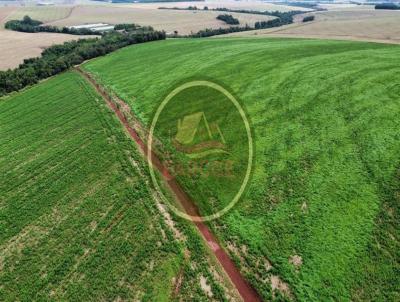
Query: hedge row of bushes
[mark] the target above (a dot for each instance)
(228, 19)
(208, 32)
(391, 6)
(33, 26)
(308, 18)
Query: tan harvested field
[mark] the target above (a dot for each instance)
(360, 23)
(247, 5)
(356, 13)
(41, 13)
(4, 13)
(169, 20)
(17, 46)
(342, 6)
(184, 22)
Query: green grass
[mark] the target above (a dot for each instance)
(326, 181)
(77, 221)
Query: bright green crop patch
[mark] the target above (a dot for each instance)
(323, 204)
(76, 221)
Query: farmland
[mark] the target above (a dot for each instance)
(320, 219)
(17, 46)
(5, 12)
(84, 217)
(77, 220)
(342, 23)
(169, 20)
(42, 13)
(231, 4)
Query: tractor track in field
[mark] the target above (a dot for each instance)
(246, 291)
(69, 14)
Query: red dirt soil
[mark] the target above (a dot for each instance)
(245, 290)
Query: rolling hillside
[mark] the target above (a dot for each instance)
(320, 220)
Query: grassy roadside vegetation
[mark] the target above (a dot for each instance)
(323, 205)
(77, 221)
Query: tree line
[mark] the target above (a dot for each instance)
(228, 19)
(59, 58)
(184, 8)
(282, 15)
(128, 26)
(271, 23)
(208, 32)
(28, 25)
(391, 6)
(308, 18)
(283, 18)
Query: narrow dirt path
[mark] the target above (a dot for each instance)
(69, 14)
(245, 290)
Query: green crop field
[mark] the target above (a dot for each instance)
(77, 222)
(320, 221)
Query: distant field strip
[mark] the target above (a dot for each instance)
(323, 205)
(351, 24)
(232, 4)
(77, 221)
(42, 13)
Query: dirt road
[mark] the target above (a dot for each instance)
(245, 290)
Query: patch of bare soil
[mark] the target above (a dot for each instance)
(278, 285)
(296, 260)
(168, 219)
(177, 281)
(205, 287)
(304, 207)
